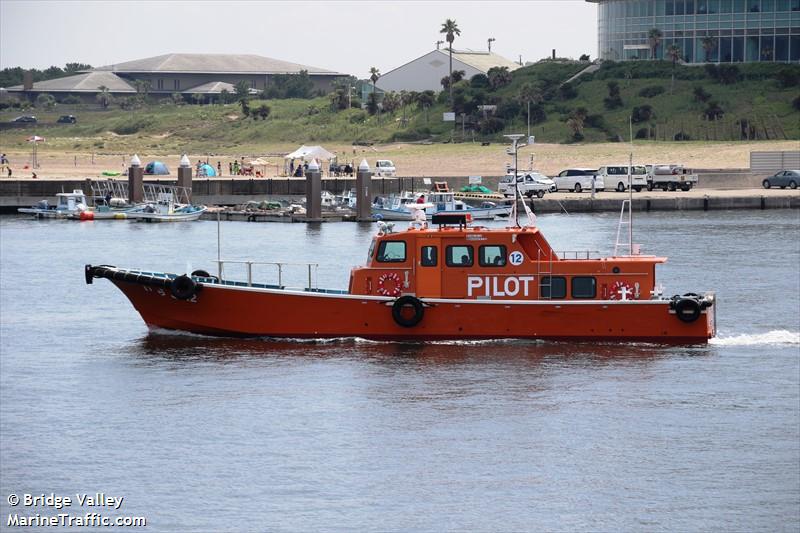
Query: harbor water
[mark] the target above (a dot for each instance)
(207, 434)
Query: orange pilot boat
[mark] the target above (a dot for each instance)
(452, 280)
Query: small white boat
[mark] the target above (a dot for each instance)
(69, 203)
(436, 203)
(166, 203)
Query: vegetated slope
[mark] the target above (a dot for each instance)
(754, 100)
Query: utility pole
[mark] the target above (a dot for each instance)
(489, 43)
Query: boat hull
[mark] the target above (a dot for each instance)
(255, 312)
(170, 217)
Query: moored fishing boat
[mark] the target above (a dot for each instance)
(68, 204)
(401, 208)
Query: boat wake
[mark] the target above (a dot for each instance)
(778, 336)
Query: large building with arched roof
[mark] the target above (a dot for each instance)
(705, 31)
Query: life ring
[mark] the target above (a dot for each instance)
(183, 287)
(616, 291)
(385, 288)
(406, 302)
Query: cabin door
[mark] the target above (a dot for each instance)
(429, 268)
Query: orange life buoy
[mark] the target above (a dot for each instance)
(389, 284)
(616, 291)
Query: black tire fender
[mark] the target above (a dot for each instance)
(404, 302)
(183, 287)
(687, 309)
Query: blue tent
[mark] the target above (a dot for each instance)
(156, 167)
(206, 171)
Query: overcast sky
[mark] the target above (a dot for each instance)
(345, 36)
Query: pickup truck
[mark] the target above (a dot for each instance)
(530, 183)
(670, 178)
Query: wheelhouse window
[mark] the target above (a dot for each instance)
(459, 256)
(392, 252)
(584, 287)
(429, 256)
(492, 256)
(553, 287)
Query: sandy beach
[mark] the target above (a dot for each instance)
(422, 160)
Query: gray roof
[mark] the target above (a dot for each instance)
(212, 87)
(87, 82)
(213, 64)
(482, 61)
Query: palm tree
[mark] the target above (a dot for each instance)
(674, 53)
(529, 94)
(374, 74)
(104, 96)
(450, 28)
(709, 43)
(654, 37)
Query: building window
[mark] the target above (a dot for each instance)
(459, 256)
(492, 256)
(584, 287)
(392, 252)
(176, 84)
(160, 84)
(553, 287)
(429, 256)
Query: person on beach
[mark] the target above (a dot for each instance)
(8, 167)
(33, 176)
(3, 159)
(291, 168)
(230, 168)
(421, 199)
(219, 168)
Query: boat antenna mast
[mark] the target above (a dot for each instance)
(514, 150)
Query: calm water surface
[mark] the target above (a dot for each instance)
(201, 434)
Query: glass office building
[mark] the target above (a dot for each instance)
(716, 31)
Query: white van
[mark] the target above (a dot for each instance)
(530, 183)
(616, 177)
(385, 168)
(578, 179)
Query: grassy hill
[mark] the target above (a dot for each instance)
(758, 96)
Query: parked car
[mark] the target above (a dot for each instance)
(530, 183)
(783, 179)
(67, 119)
(578, 179)
(385, 168)
(616, 177)
(26, 118)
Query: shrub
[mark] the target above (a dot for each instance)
(567, 92)
(796, 103)
(724, 74)
(651, 91)
(788, 77)
(584, 57)
(642, 113)
(45, 100)
(72, 99)
(614, 100)
(509, 109)
(681, 136)
(643, 133)
(479, 81)
(358, 117)
(595, 121)
(713, 111)
(700, 94)
(129, 127)
(491, 125)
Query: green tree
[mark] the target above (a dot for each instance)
(450, 29)
(674, 53)
(177, 98)
(245, 103)
(614, 99)
(242, 90)
(654, 37)
(374, 74)
(391, 101)
(530, 94)
(45, 101)
(198, 98)
(104, 97)
(499, 77)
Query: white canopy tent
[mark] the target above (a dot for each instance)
(307, 153)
